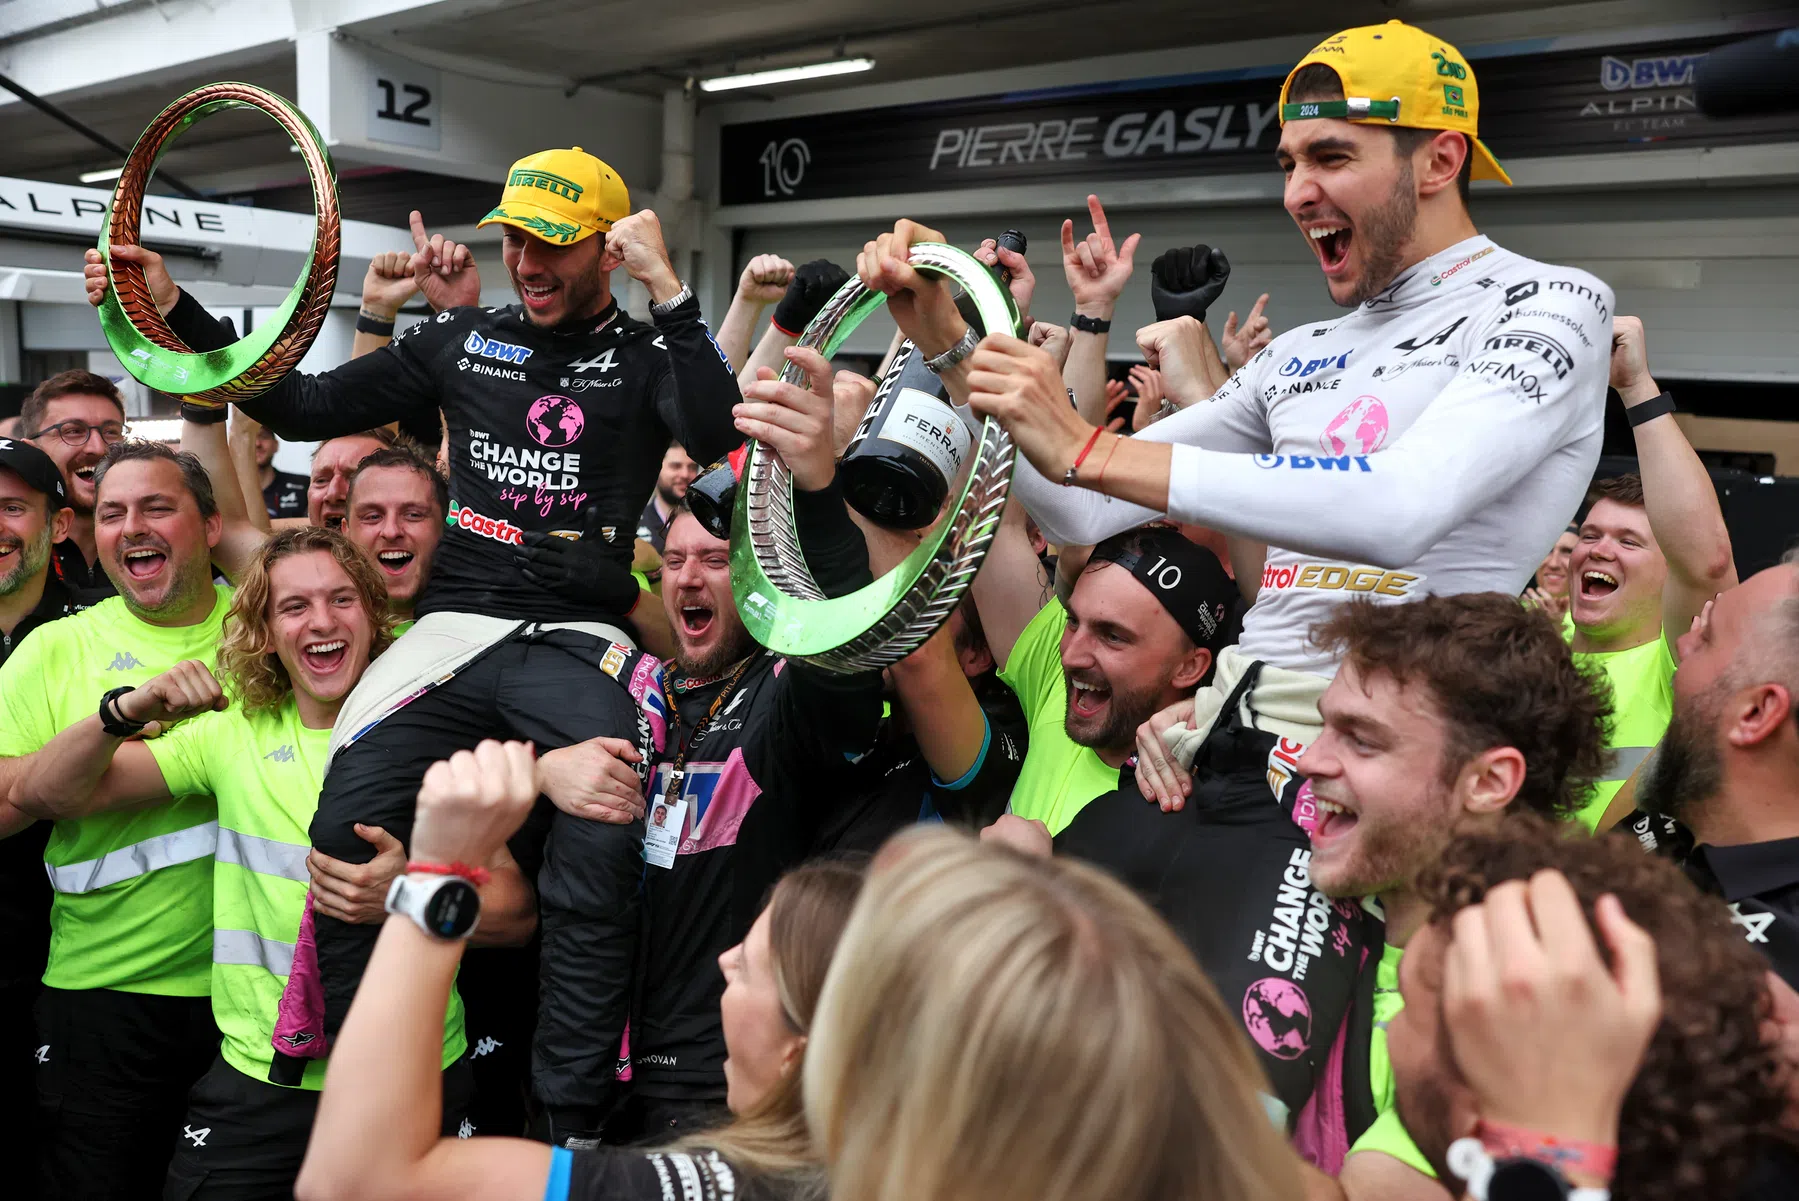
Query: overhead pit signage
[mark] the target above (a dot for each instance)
(1547, 102)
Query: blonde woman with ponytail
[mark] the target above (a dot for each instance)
(997, 1028)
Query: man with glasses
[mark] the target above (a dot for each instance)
(73, 417)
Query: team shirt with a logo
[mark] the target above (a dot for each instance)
(264, 769)
(1435, 440)
(559, 430)
(133, 903)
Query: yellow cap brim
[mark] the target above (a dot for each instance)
(553, 227)
(1485, 165)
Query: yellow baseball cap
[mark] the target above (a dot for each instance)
(1397, 74)
(562, 196)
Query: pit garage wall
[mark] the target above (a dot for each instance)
(1690, 234)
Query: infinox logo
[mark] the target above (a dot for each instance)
(466, 518)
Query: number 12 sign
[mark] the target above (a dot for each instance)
(404, 103)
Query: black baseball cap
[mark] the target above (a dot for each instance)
(35, 467)
(1185, 577)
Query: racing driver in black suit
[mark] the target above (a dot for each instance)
(558, 410)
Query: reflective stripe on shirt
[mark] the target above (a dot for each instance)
(264, 855)
(1621, 761)
(138, 859)
(250, 949)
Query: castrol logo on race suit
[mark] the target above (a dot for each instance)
(496, 528)
(1339, 577)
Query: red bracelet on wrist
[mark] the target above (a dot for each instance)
(1516, 1142)
(1069, 476)
(467, 871)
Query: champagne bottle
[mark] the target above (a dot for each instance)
(910, 446)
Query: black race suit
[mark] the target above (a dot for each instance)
(1230, 872)
(544, 425)
(759, 784)
(896, 787)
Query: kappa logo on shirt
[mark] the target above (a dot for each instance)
(123, 661)
(281, 754)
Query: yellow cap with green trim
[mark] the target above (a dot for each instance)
(562, 196)
(1397, 74)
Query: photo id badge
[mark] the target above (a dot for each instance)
(662, 832)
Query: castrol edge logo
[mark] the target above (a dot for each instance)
(1339, 577)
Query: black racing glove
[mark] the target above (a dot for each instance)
(1184, 282)
(585, 570)
(813, 284)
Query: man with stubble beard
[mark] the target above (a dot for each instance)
(73, 417)
(1445, 715)
(759, 751)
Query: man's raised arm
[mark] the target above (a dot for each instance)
(389, 385)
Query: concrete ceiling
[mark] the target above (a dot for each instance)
(613, 44)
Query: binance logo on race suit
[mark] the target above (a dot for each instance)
(1339, 577)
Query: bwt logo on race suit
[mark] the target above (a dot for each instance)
(1308, 462)
(1338, 577)
(488, 348)
(1305, 367)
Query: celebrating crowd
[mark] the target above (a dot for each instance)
(1326, 787)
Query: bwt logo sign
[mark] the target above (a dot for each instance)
(504, 352)
(1305, 367)
(1672, 71)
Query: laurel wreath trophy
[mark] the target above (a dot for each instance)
(138, 334)
(781, 604)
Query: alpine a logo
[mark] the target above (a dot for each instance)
(488, 348)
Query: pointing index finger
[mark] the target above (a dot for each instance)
(420, 239)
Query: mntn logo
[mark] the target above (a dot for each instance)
(488, 348)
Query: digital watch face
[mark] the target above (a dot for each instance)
(1525, 1180)
(452, 909)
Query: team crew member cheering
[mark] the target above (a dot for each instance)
(396, 505)
(1433, 440)
(761, 750)
(34, 513)
(1652, 551)
(558, 410)
(123, 1026)
(310, 615)
(73, 417)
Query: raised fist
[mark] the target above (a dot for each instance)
(180, 692)
(813, 286)
(1184, 282)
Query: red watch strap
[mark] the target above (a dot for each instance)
(467, 871)
(1517, 1142)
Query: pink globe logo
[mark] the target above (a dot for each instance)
(1360, 429)
(555, 420)
(1278, 1017)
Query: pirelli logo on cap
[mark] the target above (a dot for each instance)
(568, 189)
